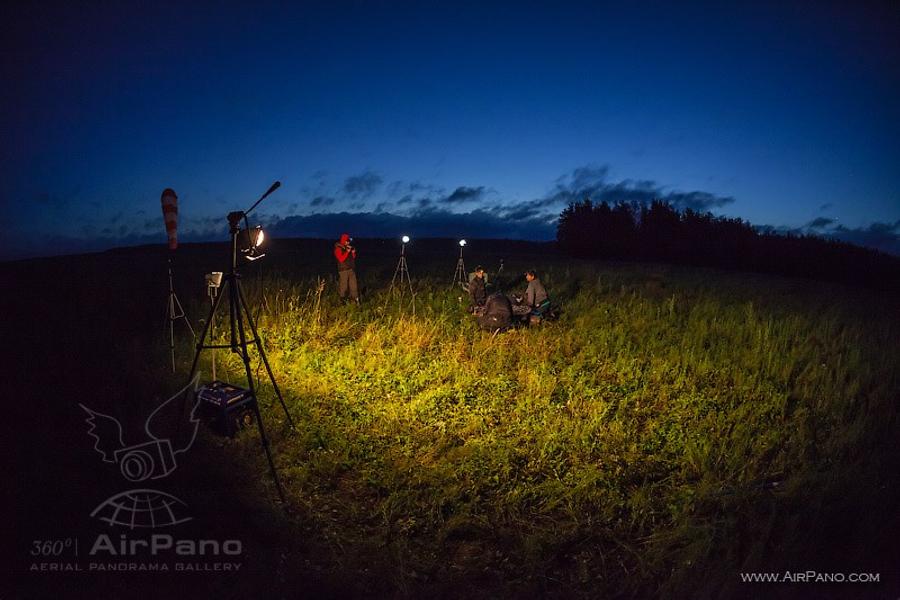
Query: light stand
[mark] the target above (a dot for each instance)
(459, 276)
(238, 341)
(402, 272)
(174, 311)
(213, 281)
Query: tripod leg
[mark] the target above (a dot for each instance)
(262, 354)
(182, 315)
(232, 305)
(398, 270)
(235, 299)
(265, 445)
(172, 328)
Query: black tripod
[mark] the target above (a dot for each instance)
(238, 341)
(459, 276)
(401, 273)
(174, 311)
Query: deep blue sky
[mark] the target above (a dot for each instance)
(784, 114)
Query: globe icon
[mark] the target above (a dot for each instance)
(142, 508)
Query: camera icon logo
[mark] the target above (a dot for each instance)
(150, 460)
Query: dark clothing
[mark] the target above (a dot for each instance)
(347, 284)
(497, 313)
(477, 292)
(535, 295)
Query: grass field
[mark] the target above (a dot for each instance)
(674, 428)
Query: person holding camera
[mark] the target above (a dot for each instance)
(345, 254)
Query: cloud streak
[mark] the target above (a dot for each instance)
(429, 222)
(362, 186)
(592, 182)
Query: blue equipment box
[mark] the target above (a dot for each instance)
(227, 408)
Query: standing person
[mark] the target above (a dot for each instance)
(345, 254)
(535, 295)
(477, 293)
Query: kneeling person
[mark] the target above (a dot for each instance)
(476, 288)
(536, 297)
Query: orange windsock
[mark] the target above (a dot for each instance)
(170, 214)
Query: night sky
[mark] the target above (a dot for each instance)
(457, 119)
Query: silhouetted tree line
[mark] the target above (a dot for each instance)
(659, 232)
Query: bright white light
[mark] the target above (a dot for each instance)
(405, 239)
(462, 242)
(260, 237)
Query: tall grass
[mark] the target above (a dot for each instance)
(674, 427)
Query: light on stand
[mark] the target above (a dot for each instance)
(401, 274)
(255, 239)
(231, 404)
(459, 276)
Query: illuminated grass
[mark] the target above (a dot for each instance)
(671, 423)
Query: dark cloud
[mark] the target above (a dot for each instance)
(522, 211)
(397, 189)
(820, 223)
(414, 195)
(591, 182)
(417, 196)
(826, 206)
(429, 222)
(880, 236)
(322, 201)
(697, 201)
(464, 194)
(363, 185)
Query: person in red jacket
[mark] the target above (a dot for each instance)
(345, 254)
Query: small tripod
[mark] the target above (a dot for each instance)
(174, 311)
(459, 276)
(239, 342)
(402, 272)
